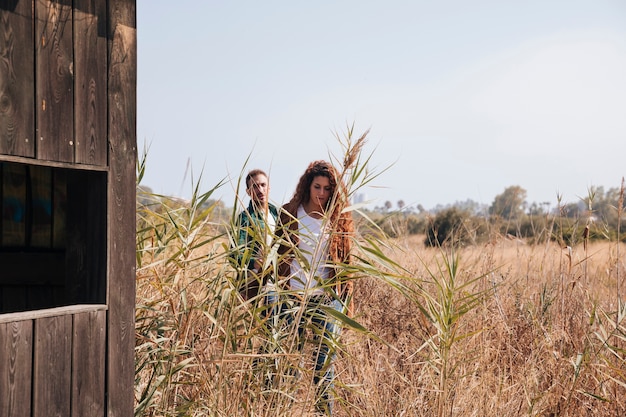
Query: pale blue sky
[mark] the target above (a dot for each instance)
(462, 98)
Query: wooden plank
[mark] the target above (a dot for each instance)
(122, 101)
(17, 89)
(54, 75)
(90, 69)
(52, 366)
(54, 164)
(16, 343)
(88, 353)
(52, 312)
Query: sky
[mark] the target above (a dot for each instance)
(462, 99)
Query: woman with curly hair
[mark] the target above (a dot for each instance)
(315, 237)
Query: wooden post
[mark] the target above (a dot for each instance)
(122, 103)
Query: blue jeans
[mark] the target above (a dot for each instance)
(310, 314)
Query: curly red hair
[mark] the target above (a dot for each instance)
(340, 221)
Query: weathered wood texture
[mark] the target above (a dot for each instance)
(61, 48)
(55, 81)
(88, 371)
(90, 68)
(54, 361)
(52, 366)
(122, 159)
(68, 100)
(17, 88)
(16, 347)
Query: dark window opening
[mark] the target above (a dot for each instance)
(52, 237)
(33, 202)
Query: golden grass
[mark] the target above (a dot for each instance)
(538, 322)
(542, 341)
(501, 329)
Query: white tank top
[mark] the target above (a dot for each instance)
(310, 267)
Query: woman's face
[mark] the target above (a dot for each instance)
(320, 191)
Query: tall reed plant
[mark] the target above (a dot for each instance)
(201, 348)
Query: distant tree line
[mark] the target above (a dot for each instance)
(599, 215)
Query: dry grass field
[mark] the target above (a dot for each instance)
(498, 329)
(502, 329)
(541, 340)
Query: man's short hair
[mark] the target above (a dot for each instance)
(253, 173)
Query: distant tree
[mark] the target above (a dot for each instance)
(535, 209)
(510, 204)
(416, 224)
(400, 204)
(440, 207)
(599, 203)
(572, 210)
(388, 205)
(447, 227)
(471, 206)
(602, 206)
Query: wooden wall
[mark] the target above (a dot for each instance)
(54, 80)
(53, 363)
(68, 101)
